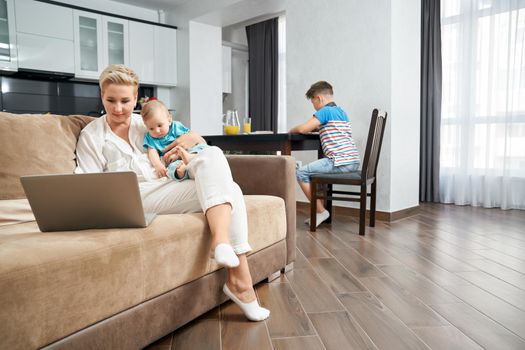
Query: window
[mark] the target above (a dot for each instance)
(483, 93)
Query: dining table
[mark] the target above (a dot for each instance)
(267, 142)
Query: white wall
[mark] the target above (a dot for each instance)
(217, 14)
(235, 34)
(349, 46)
(405, 111)
(205, 48)
(181, 17)
(368, 50)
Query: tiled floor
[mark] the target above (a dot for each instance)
(448, 278)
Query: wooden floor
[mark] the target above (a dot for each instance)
(450, 277)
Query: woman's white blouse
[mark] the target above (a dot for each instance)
(99, 149)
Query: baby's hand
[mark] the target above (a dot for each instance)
(161, 170)
(170, 157)
(181, 170)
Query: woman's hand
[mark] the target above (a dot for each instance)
(186, 141)
(161, 170)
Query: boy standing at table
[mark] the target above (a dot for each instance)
(335, 133)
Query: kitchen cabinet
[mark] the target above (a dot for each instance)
(47, 20)
(48, 54)
(44, 36)
(165, 56)
(50, 37)
(115, 43)
(154, 53)
(88, 44)
(142, 47)
(8, 52)
(99, 40)
(226, 69)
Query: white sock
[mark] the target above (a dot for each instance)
(225, 255)
(320, 217)
(251, 310)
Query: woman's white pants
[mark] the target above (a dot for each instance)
(211, 184)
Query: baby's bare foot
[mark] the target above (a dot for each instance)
(184, 155)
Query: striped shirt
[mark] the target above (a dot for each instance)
(335, 134)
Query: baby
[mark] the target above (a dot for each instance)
(162, 130)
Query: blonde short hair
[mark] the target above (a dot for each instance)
(152, 107)
(118, 74)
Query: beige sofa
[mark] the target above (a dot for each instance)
(119, 288)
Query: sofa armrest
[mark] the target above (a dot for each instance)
(269, 175)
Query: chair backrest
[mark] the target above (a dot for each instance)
(373, 144)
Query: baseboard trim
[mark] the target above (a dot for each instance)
(380, 215)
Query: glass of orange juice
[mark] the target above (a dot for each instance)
(247, 125)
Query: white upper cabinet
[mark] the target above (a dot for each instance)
(142, 47)
(37, 35)
(116, 43)
(44, 19)
(89, 57)
(44, 36)
(165, 56)
(154, 53)
(99, 41)
(8, 52)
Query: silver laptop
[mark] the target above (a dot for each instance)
(86, 201)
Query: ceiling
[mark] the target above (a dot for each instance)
(154, 4)
(236, 12)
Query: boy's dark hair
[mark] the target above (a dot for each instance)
(320, 88)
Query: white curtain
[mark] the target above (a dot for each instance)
(483, 103)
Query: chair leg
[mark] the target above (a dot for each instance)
(373, 191)
(362, 211)
(329, 203)
(313, 206)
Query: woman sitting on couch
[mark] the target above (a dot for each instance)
(114, 142)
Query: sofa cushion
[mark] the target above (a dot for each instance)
(14, 211)
(56, 283)
(50, 149)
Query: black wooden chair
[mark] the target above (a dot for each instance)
(363, 178)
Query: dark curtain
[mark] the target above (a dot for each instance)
(430, 101)
(262, 71)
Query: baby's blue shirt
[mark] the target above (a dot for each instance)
(176, 129)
